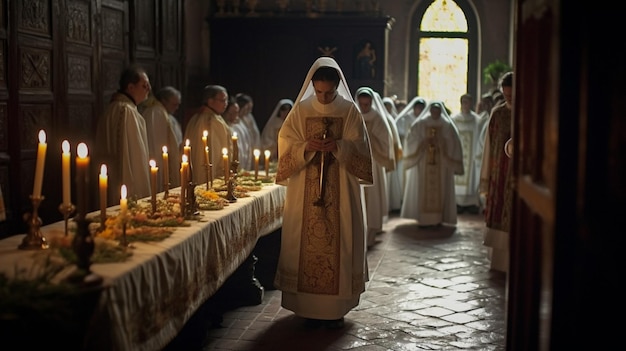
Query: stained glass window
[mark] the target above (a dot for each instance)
(443, 59)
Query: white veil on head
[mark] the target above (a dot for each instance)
(280, 103)
(409, 107)
(307, 87)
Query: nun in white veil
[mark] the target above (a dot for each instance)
(323, 159)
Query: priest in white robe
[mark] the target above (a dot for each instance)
(433, 155)
(157, 112)
(324, 160)
(122, 139)
(209, 118)
(468, 124)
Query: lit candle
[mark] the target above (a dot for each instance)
(103, 184)
(187, 150)
(82, 171)
(41, 159)
(153, 180)
(205, 138)
(123, 201)
(267, 162)
(184, 167)
(65, 171)
(206, 156)
(225, 159)
(235, 147)
(257, 154)
(166, 169)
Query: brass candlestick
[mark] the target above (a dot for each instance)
(34, 240)
(66, 210)
(124, 241)
(166, 192)
(83, 246)
(207, 168)
(230, 188)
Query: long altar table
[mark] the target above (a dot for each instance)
(147, 300)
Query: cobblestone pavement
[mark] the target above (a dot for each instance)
(429, 289)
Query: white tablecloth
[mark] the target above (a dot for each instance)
(147, 300)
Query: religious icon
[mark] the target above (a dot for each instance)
(365, 61)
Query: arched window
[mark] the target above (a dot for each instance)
(443, 52)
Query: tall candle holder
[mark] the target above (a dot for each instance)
(66, 210)
(166, 192)
(209, 180)
(34, 240)
(230, 186)
(191, 207)
(84, 246)
(124, 241)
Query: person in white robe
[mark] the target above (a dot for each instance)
(246, 104)
(269, 135)
(468, 124)
(395, 186)
(408, 115)
(432, 156)
(324, 159)
(237, 128)
(383, 156)
(122, 139)
(209, 118)
(157, 111)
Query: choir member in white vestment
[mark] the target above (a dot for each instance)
(395, 187)
(231, 116)
(408, 115)
(209, 118)
(466, 186)
(269, 135)
(383, 156)
(122, 139)
(157, 111)
(246, 104)
(324, 160)
(432, 156)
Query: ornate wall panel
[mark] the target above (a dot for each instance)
(34, 117)
(113, 28)
(144, 31)
(170, 26)
(80, 124)
(78, 25)
(34, 17)
(36, 70)
(79, 74)
(111, 70)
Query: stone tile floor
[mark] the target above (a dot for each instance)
(429, 289)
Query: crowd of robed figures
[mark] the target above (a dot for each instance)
(347, 162)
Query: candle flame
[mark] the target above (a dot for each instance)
(82, 150)
(42, 137)
(185, 158)
(234, 135)
(187, 143)
(123, 192)
(267, 153)
(164, 149)
(224, 151)
(206, 149)
(257, 152)
(103, 169)
(152, 163)
(205, 133)
(66, 146)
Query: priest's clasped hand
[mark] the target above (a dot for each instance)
(327, 144)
